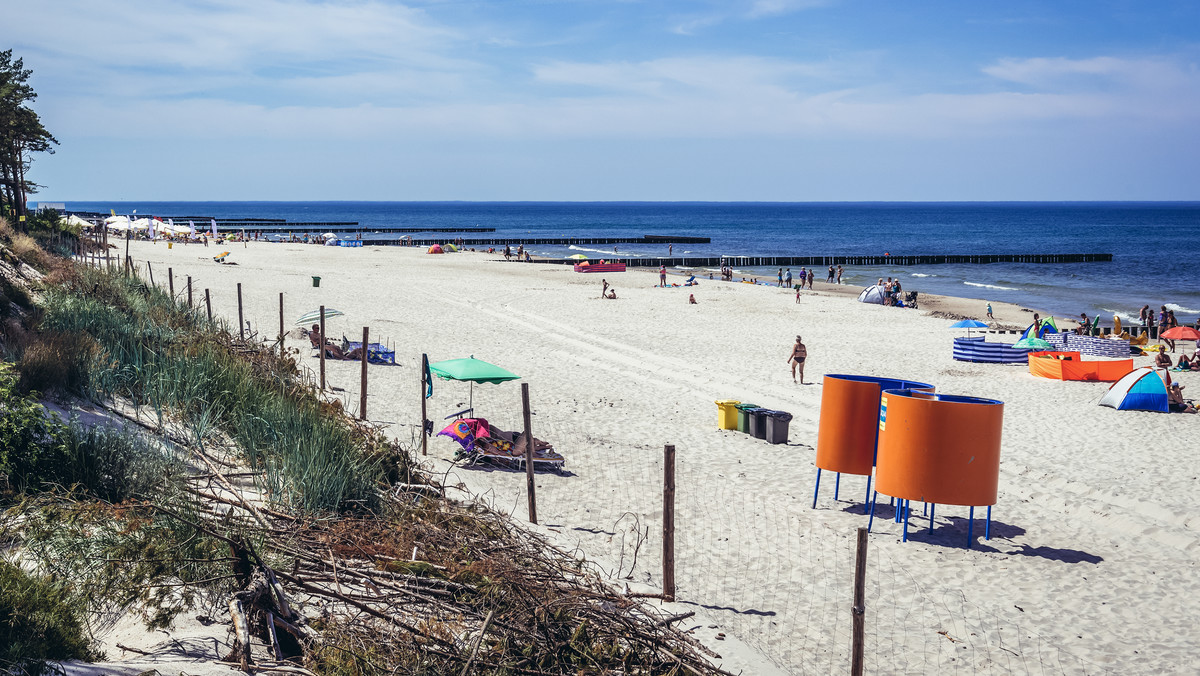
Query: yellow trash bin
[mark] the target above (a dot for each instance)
(727, 414)
(170, 244)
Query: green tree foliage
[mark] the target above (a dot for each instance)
(21, 134)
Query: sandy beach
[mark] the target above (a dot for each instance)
(1091, 567)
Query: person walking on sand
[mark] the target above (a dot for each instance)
(799, 354)
(603, 287)
(989, 309)
(662, 275)
(839, 277)
(779, 277)
(811, 275)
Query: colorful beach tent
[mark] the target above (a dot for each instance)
(436, 248)
(1142, 389)
(1047, 326)
(872, 294)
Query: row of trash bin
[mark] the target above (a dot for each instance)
(759, 422)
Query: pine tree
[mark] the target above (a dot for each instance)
(21, 134)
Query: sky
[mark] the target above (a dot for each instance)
(581, 100)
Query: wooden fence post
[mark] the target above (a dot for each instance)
(362, 404)
(424, 389)
(241, 323)
(127, 236)
(189, 292)
(321, 349)
(860, 600)
(528, 453)
(281, 325)
(151, 271)
(669, 523)
(208, 302)
(171, 282)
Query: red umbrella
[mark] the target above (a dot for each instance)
(1181, 333)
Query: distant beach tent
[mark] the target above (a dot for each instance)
(872, 294)
(436, 248)
(1141, 389)
(449, 248)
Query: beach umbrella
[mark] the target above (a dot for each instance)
(578, 257)
(329, 235)
(1181, 333)
(1032, 343)
(968, 324)
(473, 371)
(315, 316)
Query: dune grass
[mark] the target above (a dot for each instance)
(161, 354)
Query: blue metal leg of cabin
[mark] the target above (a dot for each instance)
(817, 489)
(905, 508)
(837, 486)
(987, 526)
(867, 497)
(932, 509)
(970, 526)
(871, 520)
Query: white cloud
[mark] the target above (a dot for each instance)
(763, 8)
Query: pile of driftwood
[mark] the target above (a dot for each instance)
(428, 586)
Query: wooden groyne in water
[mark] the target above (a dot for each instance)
(557, 241)
(826, 261)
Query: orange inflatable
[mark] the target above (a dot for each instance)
(850, 421)
(939, 448)
(1069, 366)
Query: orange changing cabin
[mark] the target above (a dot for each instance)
(849, 426)
(938, 448)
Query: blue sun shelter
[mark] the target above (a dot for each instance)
(1142, 389)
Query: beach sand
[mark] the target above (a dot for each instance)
(1092, 563)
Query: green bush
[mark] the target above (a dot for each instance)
(39, 620)
(33, 451)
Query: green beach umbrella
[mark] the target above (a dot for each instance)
(471, 370)
(1032, 343)
(578, 257)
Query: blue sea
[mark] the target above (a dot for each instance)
(1155, 245)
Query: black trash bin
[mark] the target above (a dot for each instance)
(777, 426)
(744, 417)
(758, 422)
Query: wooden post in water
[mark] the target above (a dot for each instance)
(281, 325)
(241, 323)
(171, 283)
(424, 389)
(321, 349)
(859, 609)
(208, 302)
(189, 292)
(669, 522)
(528, 453)
(362, 404)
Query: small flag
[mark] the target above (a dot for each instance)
(428, 376)
(192, 227)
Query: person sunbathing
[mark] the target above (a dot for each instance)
(1176, 402)
(1162, 360)
(1186, 364)
(331, 351)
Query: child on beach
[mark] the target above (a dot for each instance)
(989, 311)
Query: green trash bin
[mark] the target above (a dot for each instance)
(743, 424)
(316, 281)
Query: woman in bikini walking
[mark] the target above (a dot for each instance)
(799, 354)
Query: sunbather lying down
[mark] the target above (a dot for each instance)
(331, 351)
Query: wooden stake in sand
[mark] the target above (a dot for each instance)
(321, 348)
(208, 302)
(668, 523)
(241, 323)
(528, 453)
(424, 390)
(189, 291)
(171, 282)
(281, 325)
(858, 611)
(127, 236)
(151, 271)
(362, 405)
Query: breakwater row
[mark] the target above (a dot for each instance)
(825, 261)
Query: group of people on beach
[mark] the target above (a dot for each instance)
(892, 290)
